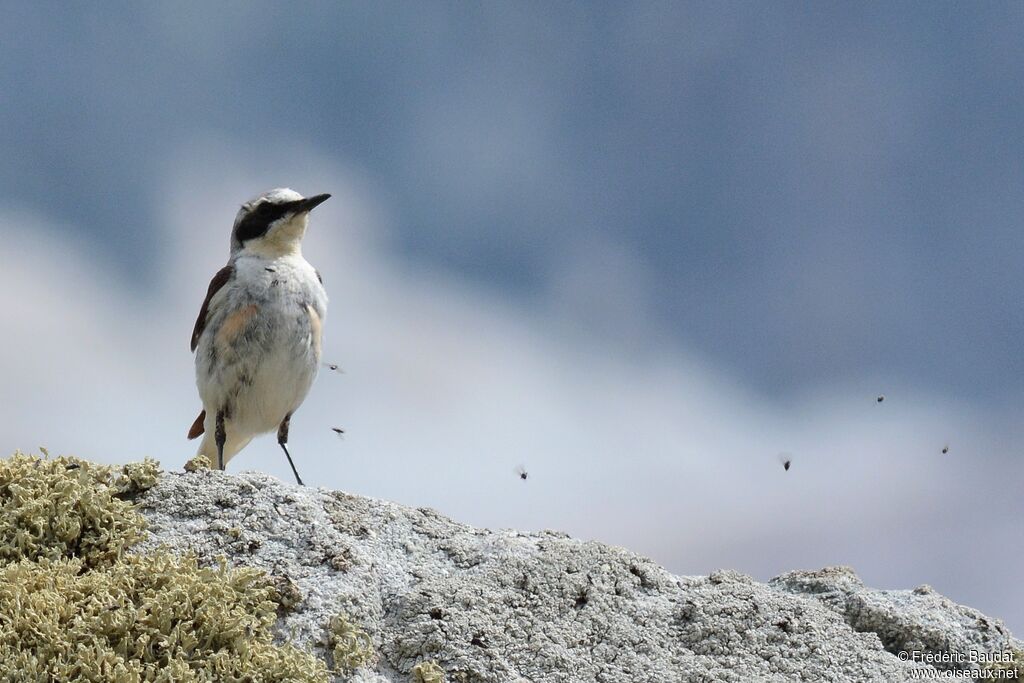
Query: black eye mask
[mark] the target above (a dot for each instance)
(258, 221)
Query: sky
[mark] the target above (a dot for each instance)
(639, 249)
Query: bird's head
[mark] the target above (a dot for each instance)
(273, 222)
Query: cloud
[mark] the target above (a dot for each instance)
(628, 438)
(802, 179)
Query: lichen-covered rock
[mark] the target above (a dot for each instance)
(439, 600)
(74, 606)
(912, 621)
(242, 577)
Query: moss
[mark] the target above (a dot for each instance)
(144, 618)
(65, 507)
(350, 645)
(427, 672)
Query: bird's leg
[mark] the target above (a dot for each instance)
(282, 438)
(220, 436)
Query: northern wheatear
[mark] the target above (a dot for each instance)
(258, 335)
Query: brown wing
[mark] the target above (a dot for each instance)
(219, 280)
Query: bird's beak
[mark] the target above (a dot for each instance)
(310, 203)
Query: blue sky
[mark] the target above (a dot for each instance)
(643, 248)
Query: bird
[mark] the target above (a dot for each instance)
(258, 337)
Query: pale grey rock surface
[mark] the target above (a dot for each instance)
(918, 620)
(503, 606)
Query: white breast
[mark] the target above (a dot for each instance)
(264, 371)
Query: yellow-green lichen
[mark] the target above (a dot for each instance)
(427, 672)
(66, 507)
(350, 645)
(75, 606)
(136, 477)
(144, 618)
(200, 462)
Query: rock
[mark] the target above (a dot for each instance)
(503, 606)
(918, 620)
